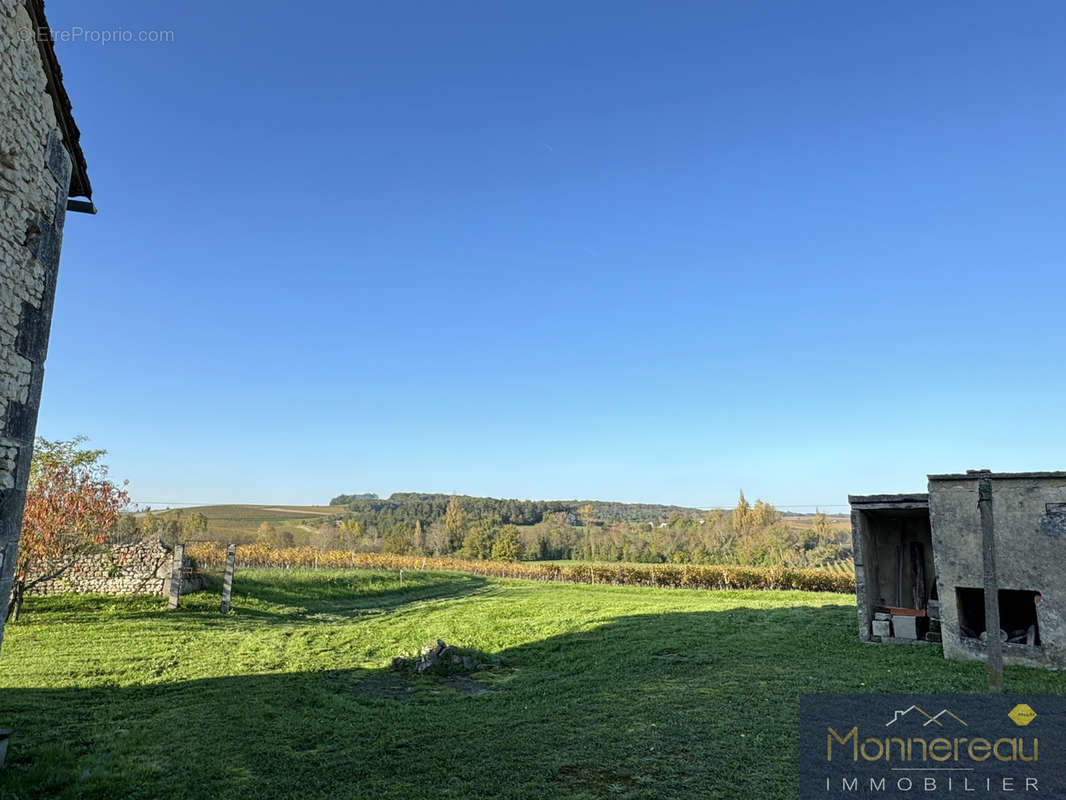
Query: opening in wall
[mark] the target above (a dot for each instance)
(1017, 614)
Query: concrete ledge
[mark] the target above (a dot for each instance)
(920, 499)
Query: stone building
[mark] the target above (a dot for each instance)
(41, 167)
(919, 566)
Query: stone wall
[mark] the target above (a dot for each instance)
(35, 170)
(1030, 558)
(138, 568)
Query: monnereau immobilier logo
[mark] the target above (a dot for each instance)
(932, 745)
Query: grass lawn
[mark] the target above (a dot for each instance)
(603, 692)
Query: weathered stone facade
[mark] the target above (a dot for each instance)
(919, 566)
(38, 155)
(1030, 559)
(138, 568)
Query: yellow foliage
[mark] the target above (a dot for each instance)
(690, 576)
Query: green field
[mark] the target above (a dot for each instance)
(601, 692)
(239, 522)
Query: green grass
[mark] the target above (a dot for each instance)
(604, 692)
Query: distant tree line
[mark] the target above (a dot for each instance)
(498, 529)
(429, 507)
(534, 530)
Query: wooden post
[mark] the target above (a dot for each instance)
(175, 575)
(227, 580)
(993, 645)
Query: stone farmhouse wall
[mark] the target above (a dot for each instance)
(41, 164)
(35, 175)
(138, 568)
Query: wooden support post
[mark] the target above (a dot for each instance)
(899, 576)
(175, 575)
(227, 580)
(993, 645)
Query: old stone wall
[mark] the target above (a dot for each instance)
(1030, 557)
(35, 170)
(138, 568)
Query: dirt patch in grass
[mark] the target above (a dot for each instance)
(401, 687)
(384, 687)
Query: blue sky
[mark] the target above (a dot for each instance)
(628, 252)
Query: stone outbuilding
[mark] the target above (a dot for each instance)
(41, 168)
(919, 566)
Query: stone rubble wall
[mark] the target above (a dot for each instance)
(35, 173)
(138, 568)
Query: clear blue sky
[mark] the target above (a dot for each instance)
(644, 252)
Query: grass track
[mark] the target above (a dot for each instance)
(606, 692)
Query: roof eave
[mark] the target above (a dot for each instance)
(79, 176)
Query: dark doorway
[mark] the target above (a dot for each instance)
(899, 547)
(1017, 614)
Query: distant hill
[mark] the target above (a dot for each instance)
(239, 523)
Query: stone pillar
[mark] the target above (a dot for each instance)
(227, 580)
(175, 575)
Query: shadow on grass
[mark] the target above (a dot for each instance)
(372, 592)
(672, 705)
(258, 598)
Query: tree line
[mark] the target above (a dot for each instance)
(490, 528)
(531, 530)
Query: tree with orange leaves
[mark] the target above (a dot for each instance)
(71, 512)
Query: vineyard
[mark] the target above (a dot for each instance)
(840, 577)
(844, 566)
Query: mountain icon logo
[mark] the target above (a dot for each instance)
(915, 713)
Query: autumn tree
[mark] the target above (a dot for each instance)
(193, 526)
(586, 513)
(437, 538)
(763, 515)
(741, 513)
(454, 523)
(329, 536)
(821, 525)
(272, 535)
(508, 544)
(72, 511)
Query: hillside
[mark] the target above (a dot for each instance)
(239, 523)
